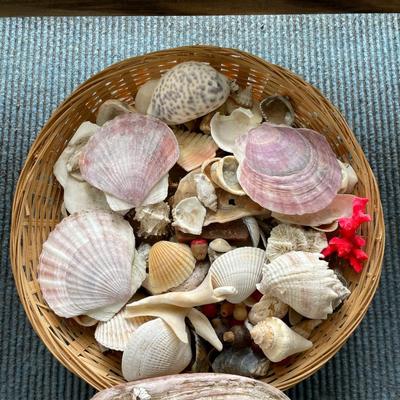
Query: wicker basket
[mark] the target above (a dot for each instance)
(36, 208)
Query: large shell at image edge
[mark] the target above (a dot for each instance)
(304, 282)
(199, 386)
(86, 264)
(170, 264)
(128, 156)
(188, 91)
(240, 268)
(154, 350)
(303, 178)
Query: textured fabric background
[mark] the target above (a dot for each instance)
(353, 59)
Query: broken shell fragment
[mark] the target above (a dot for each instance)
(224, 174)
(144, 94)
(306, 327)
(188, 91)
(254, 229)
(268, 306)
(111, 109)
(189, 215)
(195, 279)
(205, 191)
(244, 97)
(277, 340)
(349, 178)
(153, 220)
(277, 110)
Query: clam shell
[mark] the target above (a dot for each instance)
(305, 283)
(86, 265)
(277, 110)
(225, 129)
(114, 333)
(304, 179)
(277, 340)
(128, 156)
(205, 191)
(240, 268)
(188, 91)
(189, 215)
(144, 94)
(111, 109)
(153, 219)
(285, 238)
(193, 386)
(170, 264)
(224, 174)
(154, 350)
(194, 149)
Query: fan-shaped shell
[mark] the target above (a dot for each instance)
(194, 149)
(154, 350)
(114, 333)
(224, 174)
(305, 283)
(170, 264)
(189, 215)
(188, 91)
(288, 170)
(111, 109)
(277, 340)
(240, 268)
(285, 238)
(86, 265)
(128, 156)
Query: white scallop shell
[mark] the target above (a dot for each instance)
(154, 350)
(86, 265)
(305, 283)
(189, 215)
(240, 268)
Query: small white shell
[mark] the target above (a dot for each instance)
(217, 247)
(143, 95)
(111, 109)
(153, 219)
(154, 350)
(189, 215)
(205, 191)
(277, 340)
(226, 129)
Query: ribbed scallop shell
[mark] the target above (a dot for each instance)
(240, 268)
(288, 170)
(305, 283)
(86, 265)
(128, 156)
(188, 91)
(170, 264)
(154, 350)
(114, 333)
(194, 149)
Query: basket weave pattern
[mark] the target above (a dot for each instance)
(38, 197)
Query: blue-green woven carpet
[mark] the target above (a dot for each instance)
(353, 59)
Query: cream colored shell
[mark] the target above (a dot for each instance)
(268, 306)
(189, 215)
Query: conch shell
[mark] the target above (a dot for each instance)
(277, 340)
(188, 91)
(111, 109)
(191, 386)
(144, 94)
(286, 238)
(153, 219)
(224, 174)
(305, 283)
(302, 180)
(268, 306)
(86, 265)
(128, 156)
(189, 215)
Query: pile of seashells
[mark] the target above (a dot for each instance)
(193, 226)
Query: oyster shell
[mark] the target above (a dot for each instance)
(86, 265)
(302, 180)
(224, 174)
(144, 94)
(305, 283)
(111, 109)
(189, 215)
(153, 219)
(128, 156)
(277, 110)
(188, 91)
(205, 191)
(277, 340)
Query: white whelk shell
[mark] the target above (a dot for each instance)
(189, 215)
(305, 283)
(154, 219)
(224, 174)
(226, 129)
(254, 229)
(188, 91)
(349, 178)
(285, 238)
(277, 340)
(205, 191)
(154, 350)
(244, 97)
(114, 333)
(86, 265)
(268, 306)
(111, 109)
(143, 95)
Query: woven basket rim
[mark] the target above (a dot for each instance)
(35, 153)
